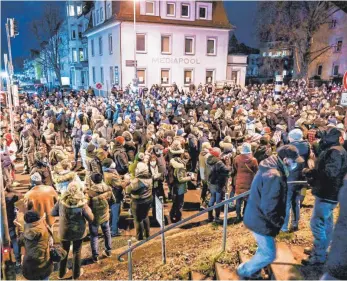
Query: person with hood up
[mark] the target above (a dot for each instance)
(326, 180)
(266, 207)
(218, 174)
(35, 237)
(140, 190)
(245, 168)
(76, 136)
(100, 197)
(180, 180)
(73, 212)
(129, 145)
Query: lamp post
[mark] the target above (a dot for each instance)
(135, 63)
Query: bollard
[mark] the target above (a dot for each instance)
(130, 262)
(225, 223)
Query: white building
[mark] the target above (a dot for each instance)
(176, 41)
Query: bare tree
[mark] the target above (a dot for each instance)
(51, 32)
(294, 23)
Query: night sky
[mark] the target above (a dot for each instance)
(241, 14)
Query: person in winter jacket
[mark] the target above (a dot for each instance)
(157, 178)
(41, 198)
(129, 145)
(336, 265)
(117, 184)
(105, 131)
(326, 180)
(85, 140)
(73, 212)
(193, 147)
(264, 150)
(266, 207)
(245, 168)
(202, 169)
(76, 136)
(63, 176)
(37, 264)
(158, 151)
(217, 177)
(50, 137)
(28, 151)
(120, 156)
(40, 166)
(100, 196)
(140, 190)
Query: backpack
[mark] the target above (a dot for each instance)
(121, 165)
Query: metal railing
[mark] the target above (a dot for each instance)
(224, 203)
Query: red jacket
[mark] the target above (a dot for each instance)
(245, 168)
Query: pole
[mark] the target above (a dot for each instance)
(130, 262)
(8, 266)
(9, 94)
(135, 63)
(163, 246)
(225, 223)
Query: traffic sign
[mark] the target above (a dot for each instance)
(130, 63)
(345, 80)
(98, 85)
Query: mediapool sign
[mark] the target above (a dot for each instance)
(176, 60)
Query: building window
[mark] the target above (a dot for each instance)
(202, 13)
(101, 75)
(81, 54)
(165, 44)
(79, 10)
(149, 8)
(188, 76)
(110, 47)
(101, 14)
(165, 76)
(97, 16)
(109, 11)
(71, 10)
(338, 46)
(185, 10)
(73, 34)
(234, 77)
(93, 73)
(209, 76)
(170, 9)
(111, 75)
(141, 43)
(93, 16)
(211, 46)
(92, 46)
(100, 46)
(189, 46)
(335, 70)
(86, 53)
(141, 76)
(74, 55)
(320, 70)
(333, 24)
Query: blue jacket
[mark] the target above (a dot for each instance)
(266, 208)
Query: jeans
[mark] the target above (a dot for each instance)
(177, 206)
(94, 242)
(216, 197)
(141, 220)
(76, 260)
(266, 254)
(115, 210)
(239, 206)
(322, 228)
(292, 204)
(14, 242)
(76, 150)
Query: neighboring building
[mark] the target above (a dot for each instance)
(78, 17)
(331, 41)
(182, 42)
(254, 62)
(236, 69)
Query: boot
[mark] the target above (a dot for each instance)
(210, 216)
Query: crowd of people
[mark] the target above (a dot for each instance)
(160, 142)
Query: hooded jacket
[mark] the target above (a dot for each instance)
(245, 166)
(217, 173)
(266, 208)
(180, 176)
(140, 189)
(116, 183)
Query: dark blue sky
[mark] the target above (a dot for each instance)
(241, 14)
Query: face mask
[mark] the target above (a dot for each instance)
(113, 165)
(153, 163)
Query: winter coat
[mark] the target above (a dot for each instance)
(219, 173)
(76, 136)
(140, 190)
(303, 148)
(100, 196)
(116, 183)
(36, 262)
(245, 167)
(336, 264)
(180, 176)
(42, 199)
(329, 172)
(202, 163)
(266, 208)
(262, 152)
(73, 214)
(62, 179)
(106, 132)
(161, 166)
(44, 173)
(130, 149)
(28, 145)
(50, 137)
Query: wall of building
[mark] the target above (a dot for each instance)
(153, 61)
(328, 36)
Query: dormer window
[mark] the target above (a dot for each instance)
(202, 13)
(185, 10)
(170, 9)
(149, 8)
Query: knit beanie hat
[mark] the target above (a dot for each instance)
(31, 216)
(246, 148)
(120, 140)
(107, 162)
(96, 178)
(215, 151)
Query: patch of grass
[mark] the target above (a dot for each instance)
(285, 236)
(228, 257)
